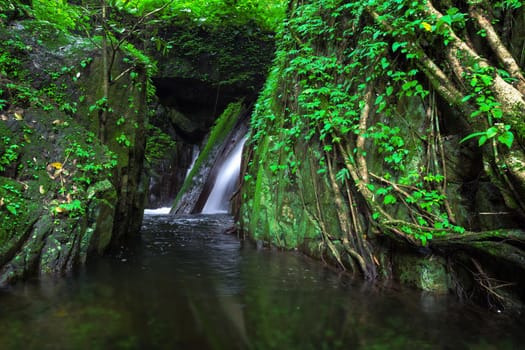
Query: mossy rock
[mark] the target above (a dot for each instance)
(192, 188)
(19, 215)
(428, 273)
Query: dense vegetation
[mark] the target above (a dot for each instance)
(390, 119)
(385, 94)
(76, 93)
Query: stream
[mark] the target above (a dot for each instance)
(188, 285)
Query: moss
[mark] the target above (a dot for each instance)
(18, 213)
(227, 55)
(423, 272)
(62, 188)
(47, 34)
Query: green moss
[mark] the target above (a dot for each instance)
(47, 33)
(229, 56)
(423, 272)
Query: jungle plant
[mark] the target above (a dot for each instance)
(345, 94)
(10, 199)
(157, 144)
(10, 154)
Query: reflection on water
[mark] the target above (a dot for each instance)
(188, 285)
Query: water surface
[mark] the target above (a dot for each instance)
(189, 285)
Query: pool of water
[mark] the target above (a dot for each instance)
(189, 285)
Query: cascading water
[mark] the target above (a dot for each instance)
(158, 211)
(228, 175)
(194, 155)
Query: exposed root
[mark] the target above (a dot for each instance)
(490, 286)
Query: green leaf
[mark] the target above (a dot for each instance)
(397, 45)
(471, 136)
(491, 132)
(11, 208)
(389, 199)
(466, 98)
(507, 138)
(482, 140)
(381, 191)
(342, 175)
(497, 113)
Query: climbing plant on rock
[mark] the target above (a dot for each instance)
(370, 82)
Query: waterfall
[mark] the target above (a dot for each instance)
(227, 177)
(158, 211)
(194, 155)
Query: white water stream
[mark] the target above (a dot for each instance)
(219, 199)
(159, 211)
(194, 155)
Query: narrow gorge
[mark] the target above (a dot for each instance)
(262, 175)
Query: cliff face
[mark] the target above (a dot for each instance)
(81, 147)
(360, 147)
(64, 194)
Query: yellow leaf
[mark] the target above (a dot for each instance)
(56, 165)
(60, 210)
(426, 26)
(41, 189)
(2, 202)
(18, 116)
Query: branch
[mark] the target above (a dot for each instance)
(122, 74)
(439, 80)
(511, 98)
(360, 143)
(503, 55)
(140, 21)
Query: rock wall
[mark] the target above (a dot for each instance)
(356, 158)
(64, 194)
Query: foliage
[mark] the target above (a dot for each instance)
(267, 14)
(9, 152)
(343, 75)
(215, 13)
(158, 144)
(84, 163)
(57, 11)
(11, 199)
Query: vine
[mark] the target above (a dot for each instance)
(346, 96)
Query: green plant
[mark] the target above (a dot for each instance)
(158, 144)
(10, 198)
(502, 131)
(10, 154)
(75, 208)
(124, 140)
